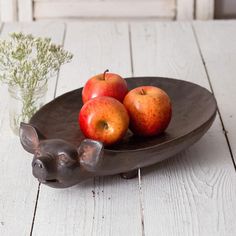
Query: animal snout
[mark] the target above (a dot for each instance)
(38, 164)
(43, 168)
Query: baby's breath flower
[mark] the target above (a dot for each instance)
(27, 62)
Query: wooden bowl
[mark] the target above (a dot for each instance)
(194, 110)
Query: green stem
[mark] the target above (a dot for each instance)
(29, 107)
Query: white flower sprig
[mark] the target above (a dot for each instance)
(26, 60)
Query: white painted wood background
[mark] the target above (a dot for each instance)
(193, 193)
(28, 10)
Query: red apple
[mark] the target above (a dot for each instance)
(106, 84)
(104, 119)
(149, 110)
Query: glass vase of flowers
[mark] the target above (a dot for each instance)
(26, 64)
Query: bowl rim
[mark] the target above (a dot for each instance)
(176, 138)
(159, 145)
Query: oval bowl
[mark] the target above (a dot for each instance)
(194, 110)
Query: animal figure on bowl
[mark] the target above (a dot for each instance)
(58, 163)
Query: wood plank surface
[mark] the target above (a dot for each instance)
(8, 10)
(25, 10)
(104, 9)
(204, 9)
(19, 189)
(194, 192)
(217, 41)
(102, 206)
(185, 9)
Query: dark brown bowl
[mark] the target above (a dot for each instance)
(194, 110)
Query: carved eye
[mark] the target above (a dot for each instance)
(64, 160)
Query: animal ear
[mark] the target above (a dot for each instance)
(29, 137)
(90, 152)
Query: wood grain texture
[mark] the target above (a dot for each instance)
(185, 9)
(18, 188)
(217, 41)
(105, 9)
(8, 10)
(103, 206)
(194, 192)
(25, 10)
(96, 47)
(204, 9)
(165, 49)
(96, 0)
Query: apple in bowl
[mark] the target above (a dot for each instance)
(106, 84)
(149, 110)
(104, 119)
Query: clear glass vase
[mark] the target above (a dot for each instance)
(23, 103)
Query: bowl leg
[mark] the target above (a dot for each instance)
(130, 174)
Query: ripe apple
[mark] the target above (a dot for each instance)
(106, 84)
(149, 110)
(104, 119)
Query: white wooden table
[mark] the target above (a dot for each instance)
(193, 193)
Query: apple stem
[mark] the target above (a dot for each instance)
(142, 92)
(104, 74)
